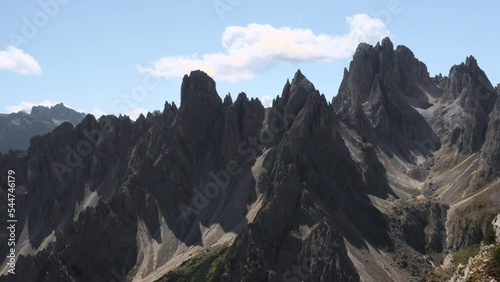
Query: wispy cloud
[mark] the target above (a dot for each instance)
(252, 49)
(267, 101)
(135, 113)
(97, 112)
(26, 106)
(15, 60)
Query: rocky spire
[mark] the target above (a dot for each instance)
(468, 80)
(198, 85)
(200, 107)
(379, 94)
(468, 98)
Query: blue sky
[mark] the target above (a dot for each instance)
(128, 56)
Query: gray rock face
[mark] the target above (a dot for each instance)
(200, 106)
(16, 129)
(393, 70)
(379, 96)
(286, 107)
(496, 227)
(468, 99)
(479, 267)
(491, 150)
(422, 225)
(243, 121)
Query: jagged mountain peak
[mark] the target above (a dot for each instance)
(385, 44)
(363, 49)
(242, 98)
(198, 90)
(170, 107)
(300, 80)
(41, 108)
(228, 100)
(313, 184)
(469, 67)
(298, 76)
(295, 92)
(16, 129)
(467, 101)
(59, 109)
(471, 62)
(467, 80)
(396, 69)
(380, 93)
(59, 105)
(198, 86)
(89, 119)
(199, 79)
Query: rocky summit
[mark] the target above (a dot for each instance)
(16, 129)
(395, 179)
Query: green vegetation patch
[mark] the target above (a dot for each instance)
(463, 255)
(493, 266)
(448, 160)
(207, 266)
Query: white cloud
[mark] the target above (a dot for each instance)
(15, 60)
(267, 101)
(135, 113)
(26, 106)
(97, 113)
(251, 49)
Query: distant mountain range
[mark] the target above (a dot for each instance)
(16, 129)
(396, 179)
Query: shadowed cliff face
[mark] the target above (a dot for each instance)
(310, 182)
(226, 190)
(82, 179)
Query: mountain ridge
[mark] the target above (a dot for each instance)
(16, 129)
(375, 184)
